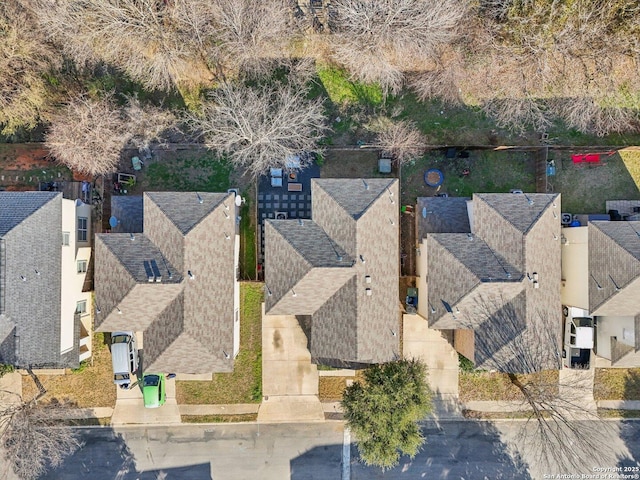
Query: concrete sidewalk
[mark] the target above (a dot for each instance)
(442, 363)
(289, 379)
(10, 389)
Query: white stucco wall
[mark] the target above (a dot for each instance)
(72, 281)
(621, 327)
(421, 281)
(574, 288)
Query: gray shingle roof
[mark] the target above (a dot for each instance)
(521, 210)
(312, 243)
(188, 321)
(354, 195)
(187, 209)
(467, 279)
(481, 261)
(15, 207)
(356, 300)
(128, 210)
(614, 268)
(138, 254)
(30, 241)
(443, 215)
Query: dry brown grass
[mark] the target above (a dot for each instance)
(247, 417)
(617, 384)
(89, 386)
(486, 386)
(330, 389)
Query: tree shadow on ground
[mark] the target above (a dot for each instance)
(104, 455)
(453, 449)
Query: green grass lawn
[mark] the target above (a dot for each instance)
(247, 241)
(244, 385)
(585, 188)
(490, 171)
(180, 171)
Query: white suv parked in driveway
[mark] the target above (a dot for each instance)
(578, 337)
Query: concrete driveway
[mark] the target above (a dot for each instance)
(419, 341)
(289, 379)
(130, 409)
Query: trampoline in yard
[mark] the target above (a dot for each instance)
(433, 177)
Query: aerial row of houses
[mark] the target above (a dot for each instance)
(496, 272)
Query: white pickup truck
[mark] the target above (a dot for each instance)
(578, 337)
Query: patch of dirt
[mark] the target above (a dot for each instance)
(352, 163)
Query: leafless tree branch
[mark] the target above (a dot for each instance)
(260, 128)
(377, 39)
(402, 141)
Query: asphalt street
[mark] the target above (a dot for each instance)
(454, 450)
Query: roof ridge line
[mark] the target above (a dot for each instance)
(374, 200)
(215, 207)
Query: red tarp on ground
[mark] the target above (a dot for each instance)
(590, 157)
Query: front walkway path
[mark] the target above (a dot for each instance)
(419, 341)
(289, 379)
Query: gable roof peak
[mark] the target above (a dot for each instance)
(355, 195)
(522, 210)
(16, 207)
(187, 209)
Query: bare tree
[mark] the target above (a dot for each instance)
(142, 37)
(24, 58)
(260, 128)
(146, 123)
(30, 439)
(252, 36)
(559, 411)
(88, 135)
(402, 141)
(377, 39)
(518, 114)
(586, 115)
(441, 84)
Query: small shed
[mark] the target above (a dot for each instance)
(384, 165)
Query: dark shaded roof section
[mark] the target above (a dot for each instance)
(334, 332)
(128, 211)
(521, 210)
(355, 196)
(312, 243)
(625, 234)
(141, 258)
(31, 225)
(15, 207)
(187, 209)
(472, 252)
(614, 268)
(442, 215)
